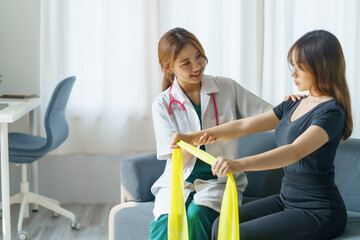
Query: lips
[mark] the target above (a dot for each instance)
(196, 75)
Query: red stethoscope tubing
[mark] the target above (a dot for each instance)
(215, 108)
(172, 100)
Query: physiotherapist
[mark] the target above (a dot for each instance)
(192, 101)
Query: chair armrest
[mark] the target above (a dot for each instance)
(137, 175)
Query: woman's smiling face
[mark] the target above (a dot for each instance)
(189, 65)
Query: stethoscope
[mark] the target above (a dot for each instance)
(173, 100)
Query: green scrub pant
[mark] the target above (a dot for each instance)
(200, 220)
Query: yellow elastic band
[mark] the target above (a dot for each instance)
(177, 222)
(229, 215)
(202, 155)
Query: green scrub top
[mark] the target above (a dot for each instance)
(201, 169)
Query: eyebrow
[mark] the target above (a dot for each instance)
(184, 60)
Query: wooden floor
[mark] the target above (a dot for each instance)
(41, 225)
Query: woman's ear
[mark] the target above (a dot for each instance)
(168, 69)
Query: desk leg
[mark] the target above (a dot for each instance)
(34, 165)
(5, 185)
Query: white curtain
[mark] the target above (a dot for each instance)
(111, 48)
(286, 21)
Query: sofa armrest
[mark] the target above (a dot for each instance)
(137, 175)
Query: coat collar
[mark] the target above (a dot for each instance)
(208, 87)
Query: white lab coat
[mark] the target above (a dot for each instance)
(233, 102)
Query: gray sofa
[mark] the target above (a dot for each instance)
(131, 219)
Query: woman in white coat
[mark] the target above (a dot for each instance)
(192, 101)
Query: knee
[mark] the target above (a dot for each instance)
(195, 215)
(215, 229)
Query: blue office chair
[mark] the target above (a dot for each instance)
(26, 148)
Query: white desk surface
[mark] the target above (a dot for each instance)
(17, 109)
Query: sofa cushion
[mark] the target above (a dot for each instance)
(260, 183)
(137, 175)
(347, 173)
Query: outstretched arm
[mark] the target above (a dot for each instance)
(238, 128)
(312, 139)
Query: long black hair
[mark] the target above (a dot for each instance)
(320, 53)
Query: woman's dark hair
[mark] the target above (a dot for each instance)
(169, 47)
(319, 52)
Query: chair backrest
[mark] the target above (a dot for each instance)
(55, 122)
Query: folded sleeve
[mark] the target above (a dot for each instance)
(279, 110)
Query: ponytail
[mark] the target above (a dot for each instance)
(168, 79)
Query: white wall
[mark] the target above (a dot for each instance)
(19, 45)
(68, 178)
(19, 57)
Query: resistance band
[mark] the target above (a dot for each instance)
(229, 215)
(177, 222)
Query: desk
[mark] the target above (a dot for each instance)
(10, 114)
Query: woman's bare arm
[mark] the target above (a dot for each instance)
(235, 129)
(312, 139)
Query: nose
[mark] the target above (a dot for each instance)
(196, 66)
(294, 72)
